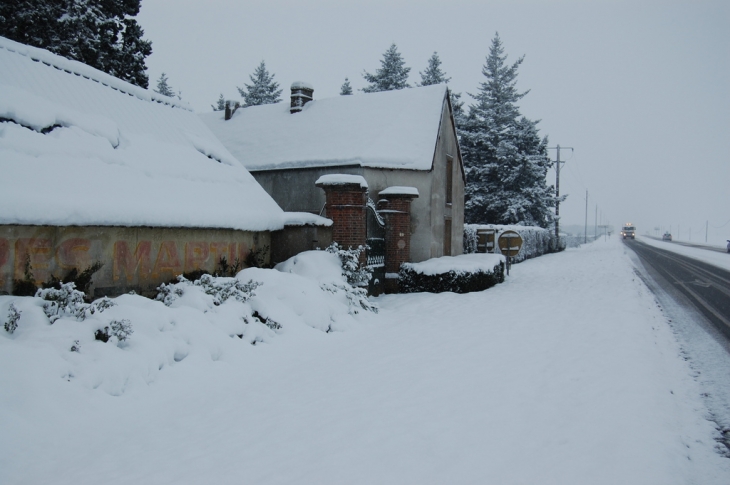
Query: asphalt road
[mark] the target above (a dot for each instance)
(703, 285)
(708, 247)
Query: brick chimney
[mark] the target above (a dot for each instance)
(230, 111)
(301, 94)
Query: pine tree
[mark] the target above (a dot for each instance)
(346, 89)
(101, 34)
(433, 73)
(505, 160)
(457, 107)
(133, 51)
(392, 73)
(220, 105)
(163, 87)
(262, 90)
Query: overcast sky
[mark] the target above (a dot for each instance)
(640, 89)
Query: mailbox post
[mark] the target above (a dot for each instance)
(510, 244)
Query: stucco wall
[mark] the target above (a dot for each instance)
(294, 189)
(134, 258)
(293, 240)
(447, 147)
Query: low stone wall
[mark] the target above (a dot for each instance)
(134, 258)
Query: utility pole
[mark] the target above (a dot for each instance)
(585, 234)
(557, 189)
(595, 224)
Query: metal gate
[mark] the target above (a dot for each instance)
(375, 259)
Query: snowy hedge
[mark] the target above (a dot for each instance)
(458, 274)
(575, 240)
(536, 241)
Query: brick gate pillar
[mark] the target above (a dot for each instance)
(394, 205)
(346, 200)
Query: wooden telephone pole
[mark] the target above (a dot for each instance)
(557, 188)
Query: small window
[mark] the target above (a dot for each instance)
(447, 237)
(449, 180)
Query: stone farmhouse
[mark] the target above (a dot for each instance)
(403, 145)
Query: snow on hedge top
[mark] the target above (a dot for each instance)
(80, 147)
(390, 129)
(464, 263)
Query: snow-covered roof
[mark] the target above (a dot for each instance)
(391, 129)
(80, 147)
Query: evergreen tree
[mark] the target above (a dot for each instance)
(262, 90)
(163, 87)
(505, 160)
(346, 89)
(457, 107)
(433, 73)
(101, 34)
(392, 73)
(220, 105)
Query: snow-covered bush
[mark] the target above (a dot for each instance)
(217, 319)
(66, 301)
(357, 276)
(357, 298)
(11, 324)
(167, 293)
(121, 329)
(221, 288)
(355, 273)
(269, 322)
(97, 306)
(69, 302)
(576, 240)
(458, 274)
(334, 269)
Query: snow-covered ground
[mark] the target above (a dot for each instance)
(567, 373)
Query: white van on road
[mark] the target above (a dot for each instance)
(628, 231)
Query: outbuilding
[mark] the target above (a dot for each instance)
(96, 169)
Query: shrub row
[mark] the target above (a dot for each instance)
(411, 280)
(536, 241)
